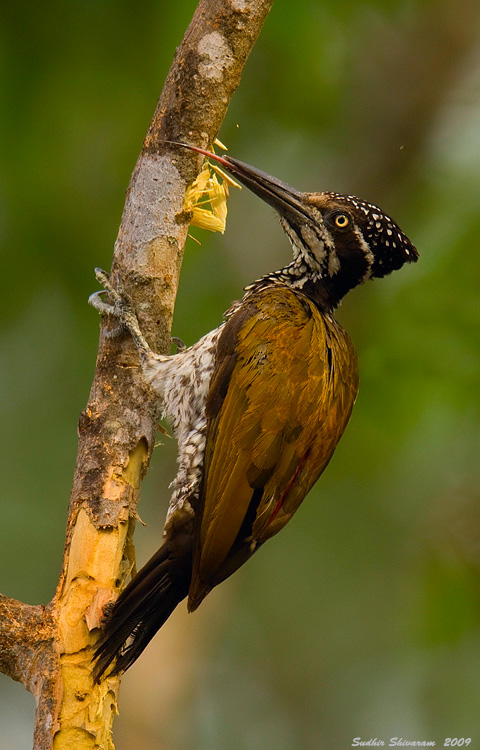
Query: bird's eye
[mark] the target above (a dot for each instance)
(342, 221)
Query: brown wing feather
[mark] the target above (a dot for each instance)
(280, 399)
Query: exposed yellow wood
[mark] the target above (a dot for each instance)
(95, 565)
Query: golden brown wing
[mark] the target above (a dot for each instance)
(280, 399)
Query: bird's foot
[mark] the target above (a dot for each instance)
(120, 308)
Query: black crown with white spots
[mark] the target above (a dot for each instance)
(391, 248)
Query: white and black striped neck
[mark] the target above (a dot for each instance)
(325, 289)
(338, 242)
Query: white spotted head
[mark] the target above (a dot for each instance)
(390, 248)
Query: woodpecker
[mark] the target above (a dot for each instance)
(257, 406)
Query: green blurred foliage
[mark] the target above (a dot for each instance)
(362, 618)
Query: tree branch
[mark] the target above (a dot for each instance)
(49, 649)
(19, 653)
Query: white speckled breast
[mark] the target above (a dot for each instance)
(182, 382)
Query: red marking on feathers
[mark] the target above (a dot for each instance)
(288, 488)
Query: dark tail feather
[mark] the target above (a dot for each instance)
(144, 605)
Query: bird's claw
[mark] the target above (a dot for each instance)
(104, 308)
(181, 346)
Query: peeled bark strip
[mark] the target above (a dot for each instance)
(49, 649)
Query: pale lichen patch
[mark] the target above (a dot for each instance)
(152, 204)
(214, 47)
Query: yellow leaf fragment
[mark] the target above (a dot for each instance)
(199, 185)
(206, 220)
(218, 142)
(225, 176)
(207, 190)
(218, 200)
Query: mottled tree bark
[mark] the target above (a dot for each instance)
(49, 648)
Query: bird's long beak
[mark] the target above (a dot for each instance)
(282, 197)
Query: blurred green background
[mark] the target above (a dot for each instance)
(362, 618)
